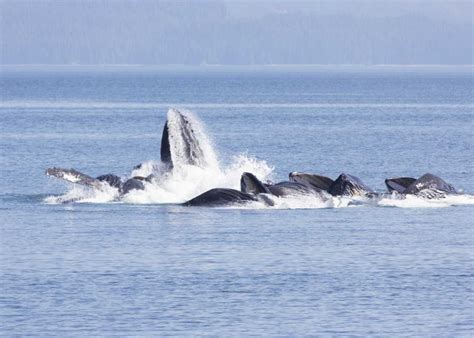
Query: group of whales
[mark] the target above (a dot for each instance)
(182, 139)
(322, 187)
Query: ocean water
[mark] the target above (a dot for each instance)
(147, 266)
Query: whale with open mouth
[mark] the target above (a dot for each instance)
(180, 146)
(426, 186)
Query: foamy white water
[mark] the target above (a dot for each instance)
(184, 181)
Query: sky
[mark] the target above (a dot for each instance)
(235, 32)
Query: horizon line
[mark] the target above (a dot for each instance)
(205, 65)
(235, 68)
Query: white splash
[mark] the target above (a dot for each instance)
(184, 181)
(188, 181)
(412, 201)
(82, 194)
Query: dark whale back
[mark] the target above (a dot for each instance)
(287, 188)
(399, 184)
(132, 184)
(315, 181)
(250, 184)
(348, 185)
(220, 197)
(429, 182)
(112, 180)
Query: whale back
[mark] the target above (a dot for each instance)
(312, 180)
(134, 183)
(287, 188)
(220, 197)
(111, 179)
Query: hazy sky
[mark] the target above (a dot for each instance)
(235, 32)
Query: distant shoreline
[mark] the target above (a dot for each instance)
(233, 68)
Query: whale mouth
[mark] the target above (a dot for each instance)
(189, 167)
(185, 142)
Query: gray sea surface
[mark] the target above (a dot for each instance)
(143, 267)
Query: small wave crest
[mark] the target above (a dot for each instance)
(413, 201)
(81, 194)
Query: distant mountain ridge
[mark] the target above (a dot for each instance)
(219, 32)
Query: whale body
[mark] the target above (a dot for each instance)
(345, 184)
(427, 186)
(100, 182)
(249, 183)
(220, 197)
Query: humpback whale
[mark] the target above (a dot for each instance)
(316, 181)
(399, 184)
(179, 146)
(179, 143)
(220, 197)
(427, 186)
(350, 186)
(345, 184)
(100, 182)
(249, 183)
